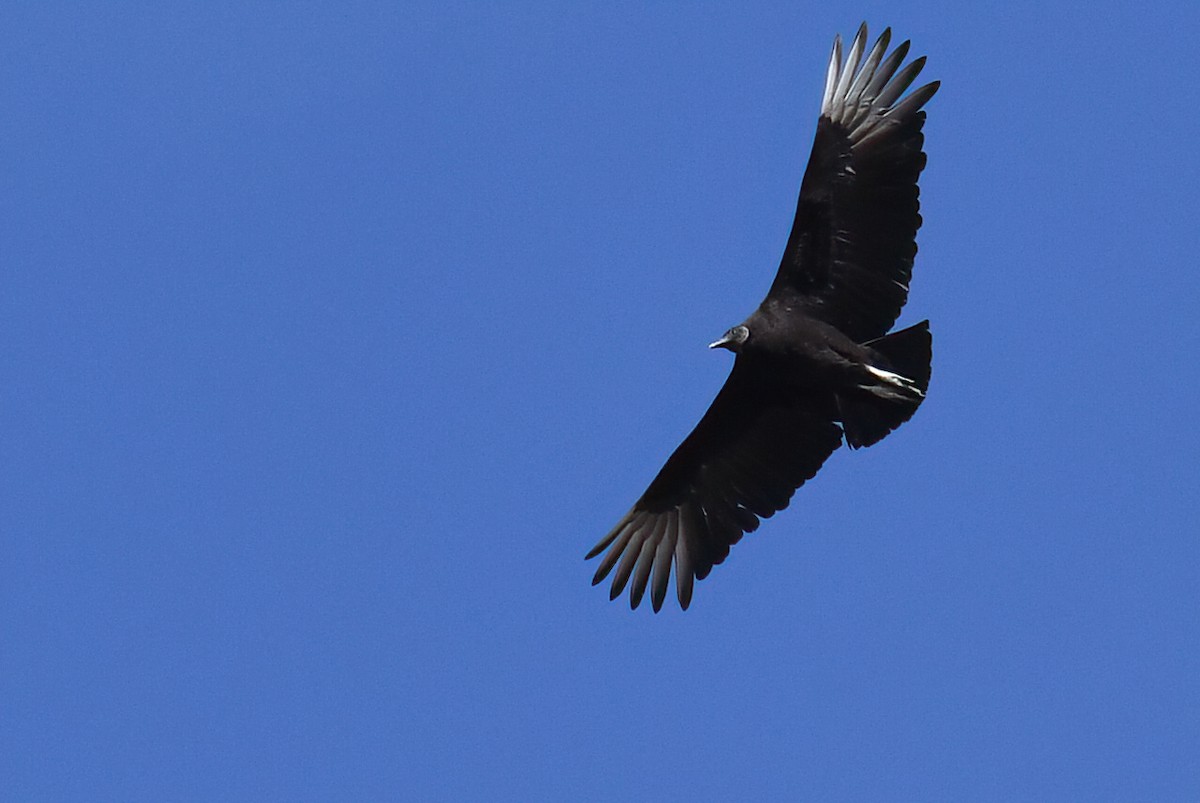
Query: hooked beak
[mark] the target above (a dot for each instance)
(733, 340)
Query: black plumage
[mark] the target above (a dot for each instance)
(815, 364)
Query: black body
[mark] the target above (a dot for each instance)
(815, 364)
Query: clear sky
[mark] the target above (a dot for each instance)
(333, 335)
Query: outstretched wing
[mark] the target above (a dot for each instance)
(850, 254)
(754, 447)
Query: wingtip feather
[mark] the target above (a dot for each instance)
(831, 75)
(632, 550)
(849, 69)
(645, 562)
(603, 543)
(865, 94)
(625, 530)
(662, 562)
(684, 569)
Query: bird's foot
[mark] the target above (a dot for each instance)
(891, 380)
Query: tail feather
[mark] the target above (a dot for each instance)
(902, 369)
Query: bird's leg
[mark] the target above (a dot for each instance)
(891, 380)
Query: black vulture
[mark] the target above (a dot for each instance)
(814, 364)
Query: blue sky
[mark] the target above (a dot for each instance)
(333, 335)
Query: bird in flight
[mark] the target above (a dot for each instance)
(814, 365)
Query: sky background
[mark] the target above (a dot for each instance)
(333, 335)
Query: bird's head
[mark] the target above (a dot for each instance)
(733, 340)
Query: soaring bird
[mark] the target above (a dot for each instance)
(815, 364)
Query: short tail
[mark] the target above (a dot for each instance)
(899, 379)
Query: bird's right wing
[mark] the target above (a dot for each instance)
(750, 452)
(849, 257)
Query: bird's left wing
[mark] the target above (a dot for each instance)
(850, 254)
(753, 448)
